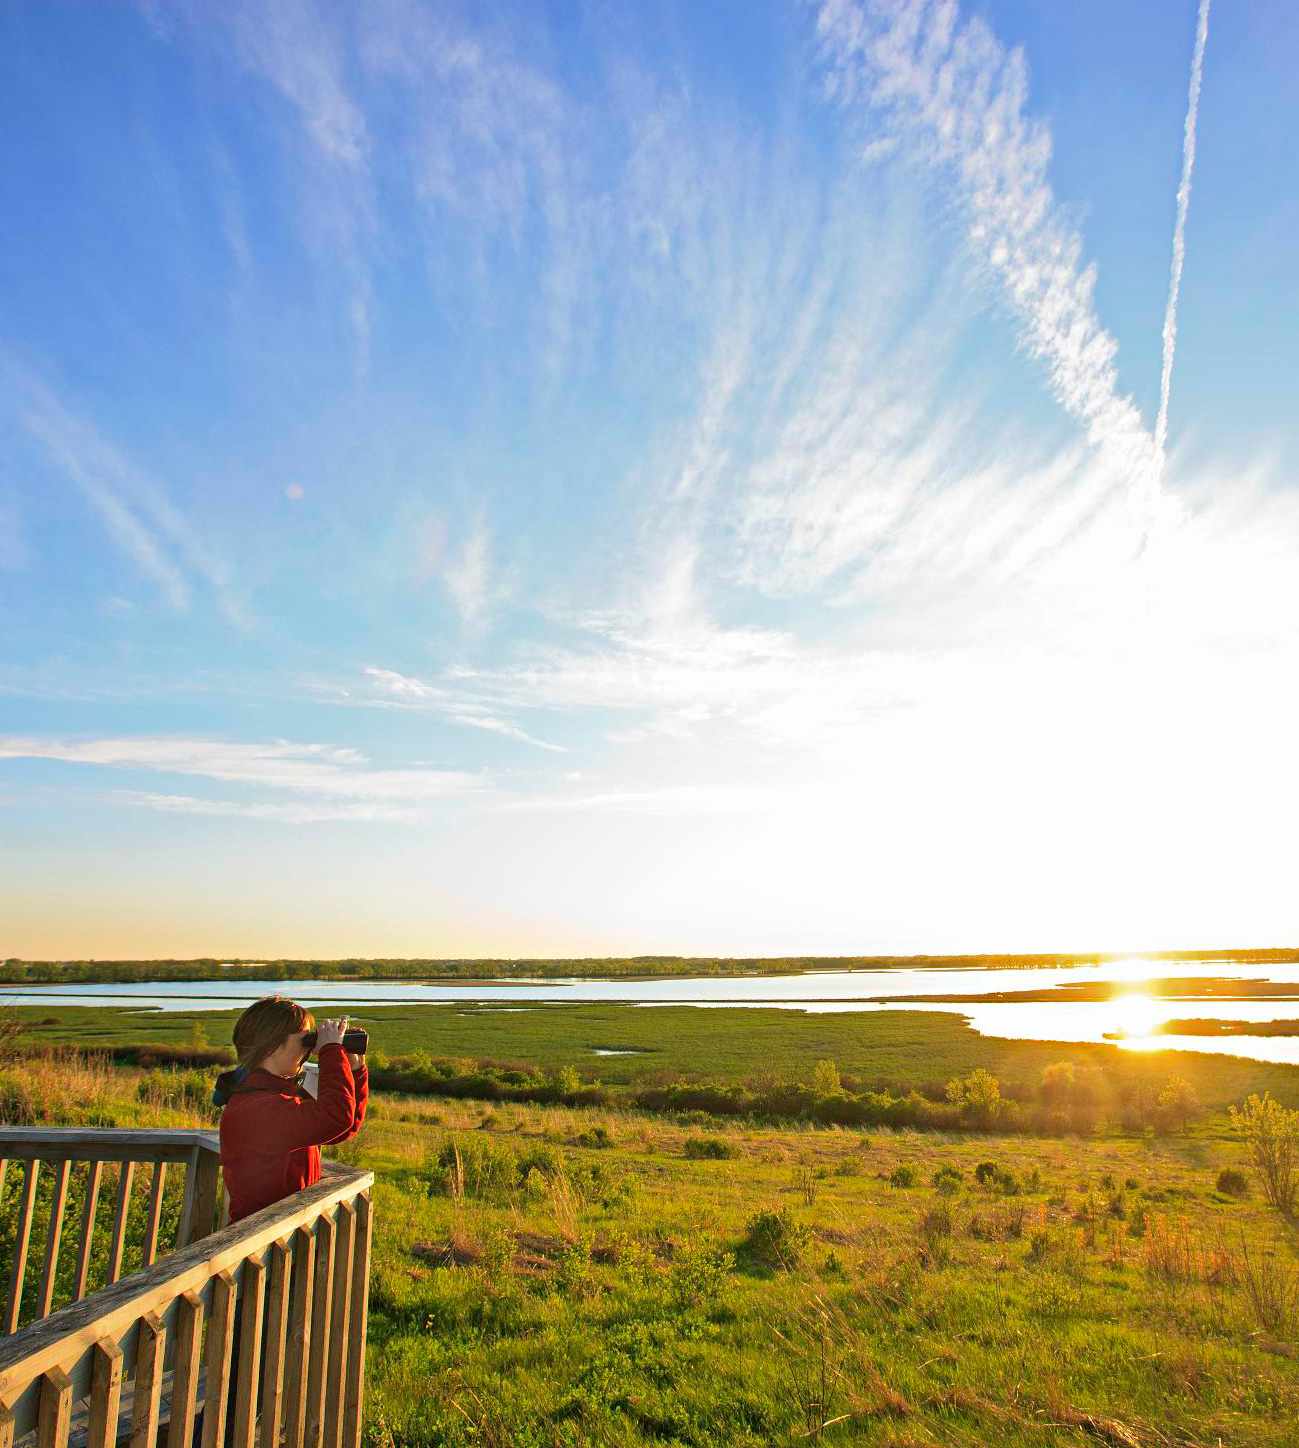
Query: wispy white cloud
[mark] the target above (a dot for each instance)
(671, 681)
(1179, 229)
(289, 814)
(300, 50)
(325, 770)
(296, 48)
(667, 800)
(467, 577)
(490, 143)
(456, 705)
(960, 98)
(134, 509)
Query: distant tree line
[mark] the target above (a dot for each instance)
(16, 971)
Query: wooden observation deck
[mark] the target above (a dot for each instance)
(244, 1336)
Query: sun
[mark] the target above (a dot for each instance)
(1136, 1013)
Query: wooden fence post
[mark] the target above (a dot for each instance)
(105, 1395)
(321, 1306)
(355, 1393)
(22, 1242)
(186, 1359)
(299, 1341)
(276, 1330)
(150, 1353)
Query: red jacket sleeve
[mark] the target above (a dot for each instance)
(361, 1085)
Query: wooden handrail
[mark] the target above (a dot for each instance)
(62, 1347)
(77, 1143)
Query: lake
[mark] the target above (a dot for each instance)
(1129, 1014)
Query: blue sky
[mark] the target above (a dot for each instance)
(602, 478)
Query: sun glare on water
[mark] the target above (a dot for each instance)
(1133, 968)
(1136, 1015)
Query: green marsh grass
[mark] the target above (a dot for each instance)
(549, 1292)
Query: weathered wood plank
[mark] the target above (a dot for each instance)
(22, 1244)
(354, 1395)
(184, 1227)
(6, 1417)
(295, 1385)
(53, 1143)
(206, 1173)
(276, 1332)
(53, 1238)
(318, 1354)
(150, 1355)
(149, 1252)
(185, 1371)
(340, 1322)
(65, 1337)
(55, 1418)
(220, 1338)
(105, 1395)
(251, 1318)
(94, 1176)
(117, 1248)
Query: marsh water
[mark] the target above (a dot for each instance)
(1126, 1014)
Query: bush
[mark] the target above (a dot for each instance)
(776, 1239)
(708, 1148)
(977, 1097)
(947, 1181)
(597, 1138)
(1233, 1183)
(1177, 1103)
(903, 1176)
(994, 1178)
(1271, 1132)
(699, 1276)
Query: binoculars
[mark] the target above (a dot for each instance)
(354, 1040)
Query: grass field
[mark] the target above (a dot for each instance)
(547, 1276)
(902, 1049)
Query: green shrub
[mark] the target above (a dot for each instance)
(476, 1166)
(903, 1176)
(708, 1148)
(699, 1276)
(597, 1138)
(947, 1181)
(776, 1239)
(1233, 1183)
(1271, 1131)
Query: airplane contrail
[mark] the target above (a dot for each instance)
(1179, 235)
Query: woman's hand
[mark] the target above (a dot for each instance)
(330, 1033)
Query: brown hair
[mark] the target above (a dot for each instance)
(266, 1025)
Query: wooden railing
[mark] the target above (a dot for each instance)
(255, 1331)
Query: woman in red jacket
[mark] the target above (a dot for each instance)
(272, 1128)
